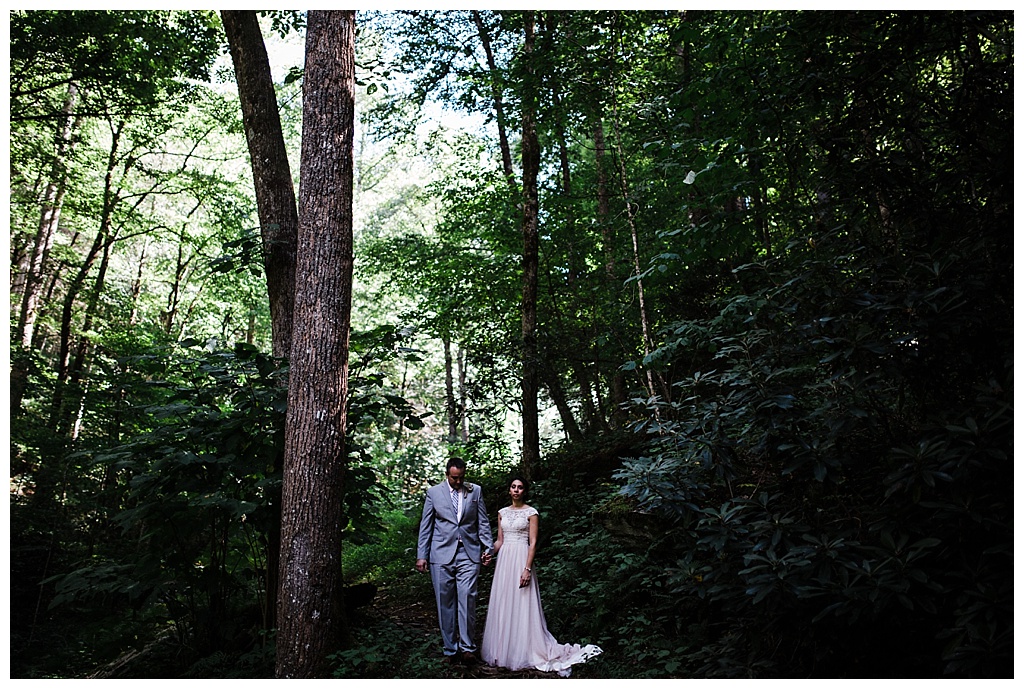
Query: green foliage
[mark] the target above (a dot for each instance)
(386, 559)
(601, 573)
(386, 650)
(284, 22)
(195, 496)
(811, 452)
(820, 482)
(820, 475)
(130, 58)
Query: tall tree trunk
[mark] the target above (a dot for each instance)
(451, 405)
(53, 200)
(760, 203)
(549, 23)
(463, 416)
(645, 326)
(250, 328)
(76, 370)
(137, 285)
(56, 278)
(275, 201)
(603, 200)
(499, 106)
(271, 174)
(617, 387)
(531, 252)
(591, 418)
(174, 295)
(110, 200)
(310, 617)
(557, 394)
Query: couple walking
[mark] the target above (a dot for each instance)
(454, 540)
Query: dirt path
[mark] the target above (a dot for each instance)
(422, 616)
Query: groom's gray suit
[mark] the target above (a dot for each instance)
(453, 544)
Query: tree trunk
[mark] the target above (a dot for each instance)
(275, 200)
(603, 204)
(310, 617)
(110, 199)
(617, 388)
(463, 416)
(592, 419)
(576, 268)
(557, 394)
(137, 286)
(181, 265)
(499, 107)
(39, 335)
(271, 174)
(451, 405)
(645, 326)
(53, 199)
(250, 328)
(76, 370)
(531, 250)
(760, 203)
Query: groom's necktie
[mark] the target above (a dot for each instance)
(455, 503)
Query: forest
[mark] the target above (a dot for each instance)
(733, 290)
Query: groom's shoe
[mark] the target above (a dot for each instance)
(469, 658)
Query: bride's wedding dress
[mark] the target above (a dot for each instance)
(516, 635)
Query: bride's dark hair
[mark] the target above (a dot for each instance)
(517, 477)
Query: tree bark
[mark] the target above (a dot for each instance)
(645, 326)
(531, 251)
(137, 286)
(463, 394)
(53, 199)
(310, 617)
(181, 265)
(603, 204)
(499, 106)
(275, 201)
(77, 368)
(271, 174)
(451, 405)
(58, 417)
(576, 267)
(617, 387)
(557, 394)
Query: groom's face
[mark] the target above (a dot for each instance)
(456, 477)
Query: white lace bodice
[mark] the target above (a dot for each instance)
(515, 524)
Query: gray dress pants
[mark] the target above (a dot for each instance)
(455, 591)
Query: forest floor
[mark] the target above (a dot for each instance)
(421, 617)
(412, 616)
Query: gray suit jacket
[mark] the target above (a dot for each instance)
(440, 531)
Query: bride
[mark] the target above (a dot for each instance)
(516, 635)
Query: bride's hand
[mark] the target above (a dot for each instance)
(524, 578)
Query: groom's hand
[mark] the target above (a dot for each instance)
(421, 565)
(486, 559)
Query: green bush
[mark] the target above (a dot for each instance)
(831, 502)
(387, 650)
(390, 558)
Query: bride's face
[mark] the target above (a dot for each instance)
(516, 490)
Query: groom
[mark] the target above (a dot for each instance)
(455, 537)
